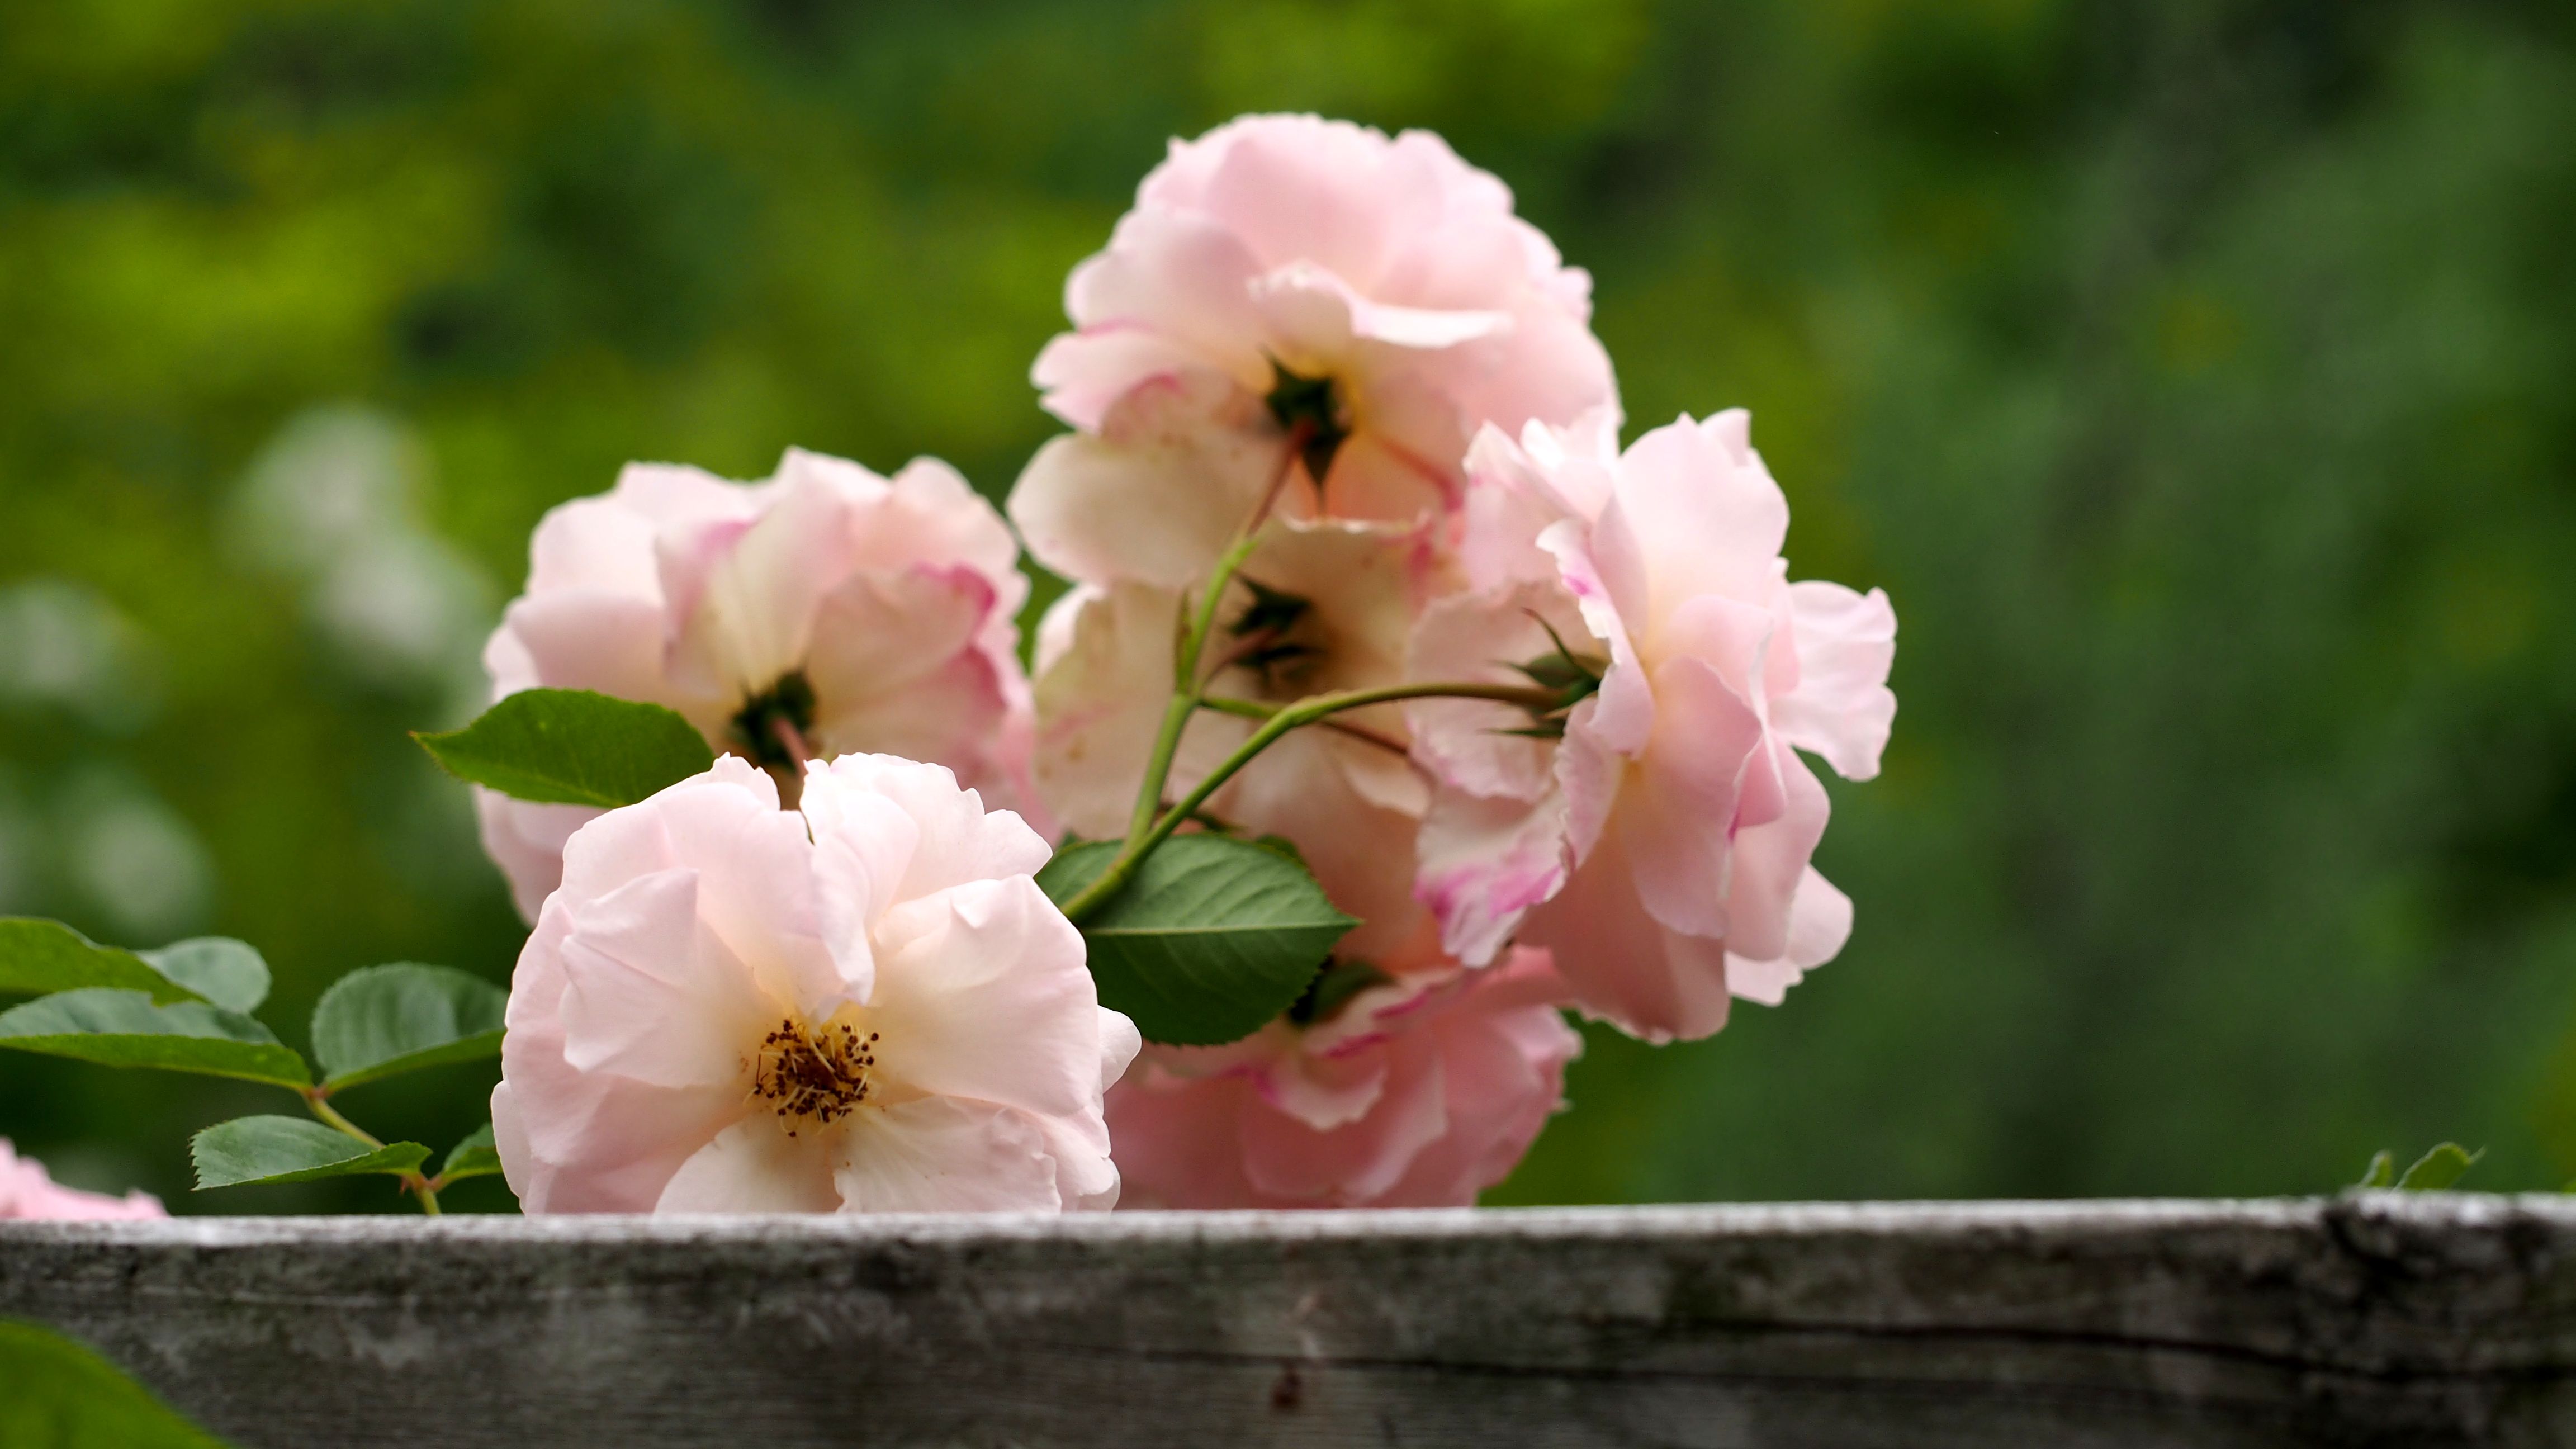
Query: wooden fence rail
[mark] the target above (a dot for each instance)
(2379, 1319)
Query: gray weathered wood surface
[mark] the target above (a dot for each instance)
(2383, 1319)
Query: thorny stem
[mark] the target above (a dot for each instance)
(317, 1098)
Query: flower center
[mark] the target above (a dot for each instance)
(815, 1078)
(1313, 403)
(774, 725)
(1278, 639)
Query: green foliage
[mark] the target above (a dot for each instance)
(2445, 1164)
(57, 1394)
(473, 1157)
(384, 1020)
(227, 972)
(38, 957)
(128, 1029)
(250, 1150)
(572, 747)
(1211, 940)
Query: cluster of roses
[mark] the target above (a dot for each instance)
(1340, 364)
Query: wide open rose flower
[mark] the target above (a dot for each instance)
(1661, 846)
(1318, 607)
(826, 611)
(28, 1191)
(1420, 1091)
(1304, 294)
(866, 1005)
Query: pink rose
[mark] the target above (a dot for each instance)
(826, 611)
(28, 1191)
(1661, 846)
(1320, 606)
(1418, 1092)
(866, 1005)
(1300, 293)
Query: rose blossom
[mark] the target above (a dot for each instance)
(1296, 293)
(1318, 607)
(823, 612)
(28, 1191)
(1661, 846)
(865, 1005)
(1420, 1091)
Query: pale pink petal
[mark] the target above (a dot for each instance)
(746, 594)
(1484, 862)
(1676, 809)
(1770, 861)
(526, 841)
(753, 1166)
(1842, 708)
(1622, 965)
(982, 993)
(1176, 470)
(1820, 920)
(653, 994)
(1359, 1160)
(28, 1191)
(1100, 703)
(937, 1154)
(959, 840)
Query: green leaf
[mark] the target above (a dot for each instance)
(290, 1149)
(376, 1022)
(56, 1394)
(473, 1157)
(1212, 939)
(40, 957)
(2439, 1168)
(573, 747)
(2381, 1173)
(227, 972)
(127, 1029)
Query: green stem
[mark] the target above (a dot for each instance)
(330, 1115)
(1186, 653)
(418, 1186)
(1276, 721)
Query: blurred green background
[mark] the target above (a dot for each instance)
(2196, 376)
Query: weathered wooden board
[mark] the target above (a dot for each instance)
(2378, 1320)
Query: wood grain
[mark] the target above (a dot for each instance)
(2380, 1319)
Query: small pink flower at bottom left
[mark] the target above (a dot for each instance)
(1421, 1091)
(863, 1005)
(28, 1191)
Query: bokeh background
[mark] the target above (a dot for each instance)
(2199, 378)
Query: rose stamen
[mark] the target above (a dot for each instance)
(815, 1078)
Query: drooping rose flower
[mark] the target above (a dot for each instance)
(28, 1191)
(1319, 607)
(864, 1005)
(1420, 1090)
(825, 611)
(1296, 293)
(1661, 845)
